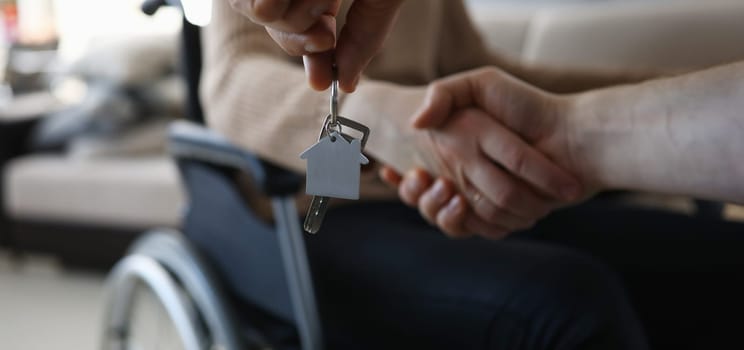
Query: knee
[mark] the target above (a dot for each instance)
(571, 299)
(578, 282)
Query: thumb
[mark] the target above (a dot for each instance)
(509, 100)
(436, 109)
(448, 95)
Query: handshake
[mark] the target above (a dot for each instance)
(507, 153)
(502, 154)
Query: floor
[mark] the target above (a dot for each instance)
(43, 306)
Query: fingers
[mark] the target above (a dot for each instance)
(303, 14)
(292, 16)
(315, 46)
(494, 215)
(320, 37)
(435, 198)
(523, 108)
(262, 11)
(441, 205)
(308, 27)
(450, 218)
(453, 216)
(447, 95)
(391, 177)
(513, 104)
(318, 70)
(438, 203)
(414, 184)
(368, 24)
(500, 194)
(527, 164)
(301, 28)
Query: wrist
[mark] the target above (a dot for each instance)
(585, 139)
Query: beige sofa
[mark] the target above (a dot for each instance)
(140, 192)
(662, 34)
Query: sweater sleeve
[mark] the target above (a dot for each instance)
(257, 96)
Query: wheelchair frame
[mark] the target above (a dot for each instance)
(167, 263)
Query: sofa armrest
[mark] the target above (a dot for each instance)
(664, 36)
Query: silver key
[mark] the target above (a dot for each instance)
(319, 204)
(333, 123)
(316, 213)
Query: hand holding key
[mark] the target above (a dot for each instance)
(308, 28)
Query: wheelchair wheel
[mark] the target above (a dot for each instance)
(162, 296)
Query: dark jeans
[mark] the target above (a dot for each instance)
(387, 280)
(684, 274)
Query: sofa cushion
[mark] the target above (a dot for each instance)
(503, 26)
(132, 192)
(667, 35)
(127, 59)
(146, 139)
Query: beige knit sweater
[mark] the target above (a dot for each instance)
(257, 96)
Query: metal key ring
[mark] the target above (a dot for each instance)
(334, 97)
(330, 127)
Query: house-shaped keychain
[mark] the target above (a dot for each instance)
(334, 167)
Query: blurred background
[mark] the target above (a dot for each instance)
(88, 87)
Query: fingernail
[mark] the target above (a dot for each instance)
(414, 185)
(454, 206)
(312, 47)
(438, 190)
(352, 87)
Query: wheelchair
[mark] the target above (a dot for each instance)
(165, 264)
(165, 272)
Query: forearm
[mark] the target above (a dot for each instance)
(682, 135)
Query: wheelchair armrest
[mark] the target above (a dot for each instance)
(149, 7)
(190, 141)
